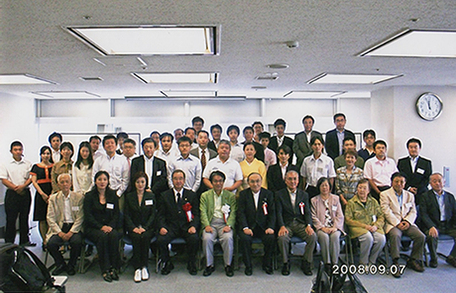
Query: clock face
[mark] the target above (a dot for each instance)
(429, 106)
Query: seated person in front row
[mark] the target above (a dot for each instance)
(276, 173)
(65, 217)
(140, 223)
(398, 206)
(328, 219)
(218, 216)
(365, 221)
(438, 216)
(294, 218)
(256, 218)
(178, 216)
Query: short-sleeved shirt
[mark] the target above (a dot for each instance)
(230, 168)
(18, 172)
(192, 169)
(380, 171)
(313, 169)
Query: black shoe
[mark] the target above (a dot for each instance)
(168, 267)
(59, 269)
(433, 263)
(286, 269)
(415, 265)
(248, 271)
(114, 274)
(29, 244)
(398, 274)
(451, 261)
(229, 271)
(268, 270)
(306, 268)
(70, 270)
(208, 271)
(192, 268)
(107, 276)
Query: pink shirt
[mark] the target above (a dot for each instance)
(380, 171)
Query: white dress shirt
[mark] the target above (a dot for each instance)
(16, 172)
(230, 168)
(118, 170)
(192, 169)
(313, 169)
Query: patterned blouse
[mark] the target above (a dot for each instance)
(346, 183)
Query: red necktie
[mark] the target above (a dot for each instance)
(203, 159)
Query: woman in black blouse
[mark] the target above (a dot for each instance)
(140, 223)
(101, 219)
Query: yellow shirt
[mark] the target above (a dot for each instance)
(256, 166)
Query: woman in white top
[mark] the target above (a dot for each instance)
(82, 169)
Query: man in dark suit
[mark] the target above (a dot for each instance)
(256, 218)
(416, 169)
(276, 173)
(294, 218)
(438, 216)
(204, 153)
(301, 144)
(216, 132)
(154, 167)
(335, 137)
(280, 139)
(178, 216)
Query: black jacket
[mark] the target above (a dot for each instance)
(429, 211)
(159, 177)
(97, 215)
(332, 142)
(286, 213)
(251, 217)
(275, 179)
(144, 215)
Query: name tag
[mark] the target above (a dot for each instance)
(110, 206)
(408, 205)
(149, 202)
(334, 208)
(374, 218)
(75, 209)
(420, 171)
(159, 173)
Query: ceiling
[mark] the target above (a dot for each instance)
(253, 34)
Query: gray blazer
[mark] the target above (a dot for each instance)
(302, 147)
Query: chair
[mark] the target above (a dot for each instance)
(82, 264)
(175, 241)
(442, 238)
(256, 242)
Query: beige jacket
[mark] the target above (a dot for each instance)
(393, 212)
(55, 215)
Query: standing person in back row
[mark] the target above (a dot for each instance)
(301, 145)
(15, 175)
(55, 140)
(280, 139)
(335, 138)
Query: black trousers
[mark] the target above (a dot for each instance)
(141, 245)
(107, 247)
(246, 246)
(17, 205)
(75, 243)
(432, 242)
(191, 239)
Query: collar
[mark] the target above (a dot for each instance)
(290, 192)
(147, 159)
(436, 194)
(176, 191)
(283, 166)
(18, 162)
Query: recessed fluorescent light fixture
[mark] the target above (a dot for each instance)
(170, 77)
(163, 98)
(416, 43)
(311, 94)
(23, 79)
(336, 78)
(67, 95)
(189, 94)
(149, 39)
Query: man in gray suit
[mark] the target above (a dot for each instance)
(301, 144)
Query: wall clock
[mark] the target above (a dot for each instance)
(429, 106)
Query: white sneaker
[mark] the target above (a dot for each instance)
(144, 274)
(137, 277)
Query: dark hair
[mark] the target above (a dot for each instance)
(351, 153)
(216, 126)
(189, 128)
(414, 140)
(108, 137)
(54, 134)
(321, 181)
(377, 142)
(177, 171)
(79, 159)
(166, 134)
(364, 181)
(197, 119)
(137, 175)
(178, 129)
(280, 121)
(232, 127)
(337, 115)
(247, 128)
(94, 137)
(184, 139)
(148, 140)
(217, 173)
(348, 138)
(46, 148)
(259, 123)
(369, 131)
(265, 135)
(154, 132)
(247, 144)
(308, 117)
(313, 139)
(286, 149)
(398, 174)
(69, 145)
(129, 140)
(98, 174)
(16, 143)
(203, 131)
(123, 135)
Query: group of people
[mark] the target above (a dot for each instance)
(188, 186)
